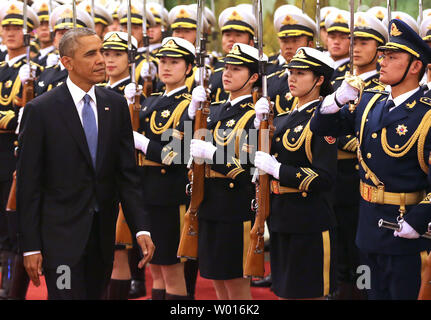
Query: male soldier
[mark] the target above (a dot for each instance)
(379, 12)
(369, 34)
(11, 82)
(61, 21)
(238, 25)
(113, 9)
(394, 144)
(337, 25)
(102, 18)
(324, 12)
(43, 33)
(294, 30)
(425, 33)
(157, 31)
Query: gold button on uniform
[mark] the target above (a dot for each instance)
(357, 167)
(369, 155)
(277, 139)
(163, 171)
(147, 119)
(374, 135)
(231, 185)
(275, 155)
(304, 194)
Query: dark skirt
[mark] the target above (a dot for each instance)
(223, 248)
(166, 225)
(303, 265)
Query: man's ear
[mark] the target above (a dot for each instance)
(416, 67)
(67, 62)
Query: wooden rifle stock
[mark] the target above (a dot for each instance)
(148, 87)
(255, 260)
(134, 109)
(188, 247)
(27, 95)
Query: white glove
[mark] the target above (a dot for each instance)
(199, 95)
(261, 107)
(406, 232)
(149, 69)
(141, 142)
(52, 59)
(267, 163)
(198, 75)
(346, 93)
(130, 91)
(202, 149)
(20, 112)
(25, 72)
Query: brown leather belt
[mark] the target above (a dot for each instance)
(343, 155)
(277, 189)
(210, 174)
(380, 196)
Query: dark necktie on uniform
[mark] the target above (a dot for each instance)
(90, 128)
(388, 106)
(227, 106)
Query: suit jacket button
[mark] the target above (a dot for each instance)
(163, 171)
(304, 194)
(231, 185)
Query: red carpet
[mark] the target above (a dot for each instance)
(204, 290)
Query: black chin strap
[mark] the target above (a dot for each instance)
(405, 73)
(314, 85)
(244, 84)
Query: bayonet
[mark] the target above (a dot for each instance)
(74, 13)
(318, 18)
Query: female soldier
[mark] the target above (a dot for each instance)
(303, 167)
(225, 214)
(117, 69)
(162, 167)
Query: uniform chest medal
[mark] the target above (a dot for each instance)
(8, 84)
(298, 129)
(402, 130)
(230, 123)
(41, 84)
(166, 114)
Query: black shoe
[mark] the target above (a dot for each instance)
(265, 282)
(137, 289)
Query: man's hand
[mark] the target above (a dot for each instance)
(33, 266)
(147, 247)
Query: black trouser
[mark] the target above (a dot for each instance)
(88, 278)
(5, 240)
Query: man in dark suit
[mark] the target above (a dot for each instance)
(76, 163)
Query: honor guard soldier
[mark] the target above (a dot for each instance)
(113, 9)
(43, 32)
(408, 19)
(158, 31)
(14, 71)
(162, 164)
(369, 34)
(137, 32)
(302, 167)
(224, 214)
(237, 25)
(102, 17)
(394, 144)
(337, 25)
(61, 21)
(294, 30)
(379, 12)
(324, 12)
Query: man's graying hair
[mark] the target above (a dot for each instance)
(69, 41)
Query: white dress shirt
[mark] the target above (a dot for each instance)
(12, 61)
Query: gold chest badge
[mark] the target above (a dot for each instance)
(230, 123)
(8, 84)
(166, 114)
(402, 130)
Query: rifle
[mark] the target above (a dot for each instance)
(188, 246)
(388, 4)
(254, 264)
(135, 107)
(74, 13)
(421, 12)
(27, 95)
(148, 82)
(318, 39)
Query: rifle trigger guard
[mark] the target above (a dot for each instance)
(189, 189)
(254, 205)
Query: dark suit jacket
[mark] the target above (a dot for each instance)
(58, 188)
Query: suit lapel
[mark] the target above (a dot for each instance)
(69, 114)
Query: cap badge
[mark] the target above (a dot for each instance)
(380, 15)
(114, 37)
(67, 14)
(300, 55)
(183, 14)
(340, 19)
(288, 21)
(235, 50)
(235, 16)
(43, 7)
(361, 22)
(13, 10)
(171, 44)
(88, 8)
(394, 31)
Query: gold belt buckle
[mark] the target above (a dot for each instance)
(275, 187)
(367, 192)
